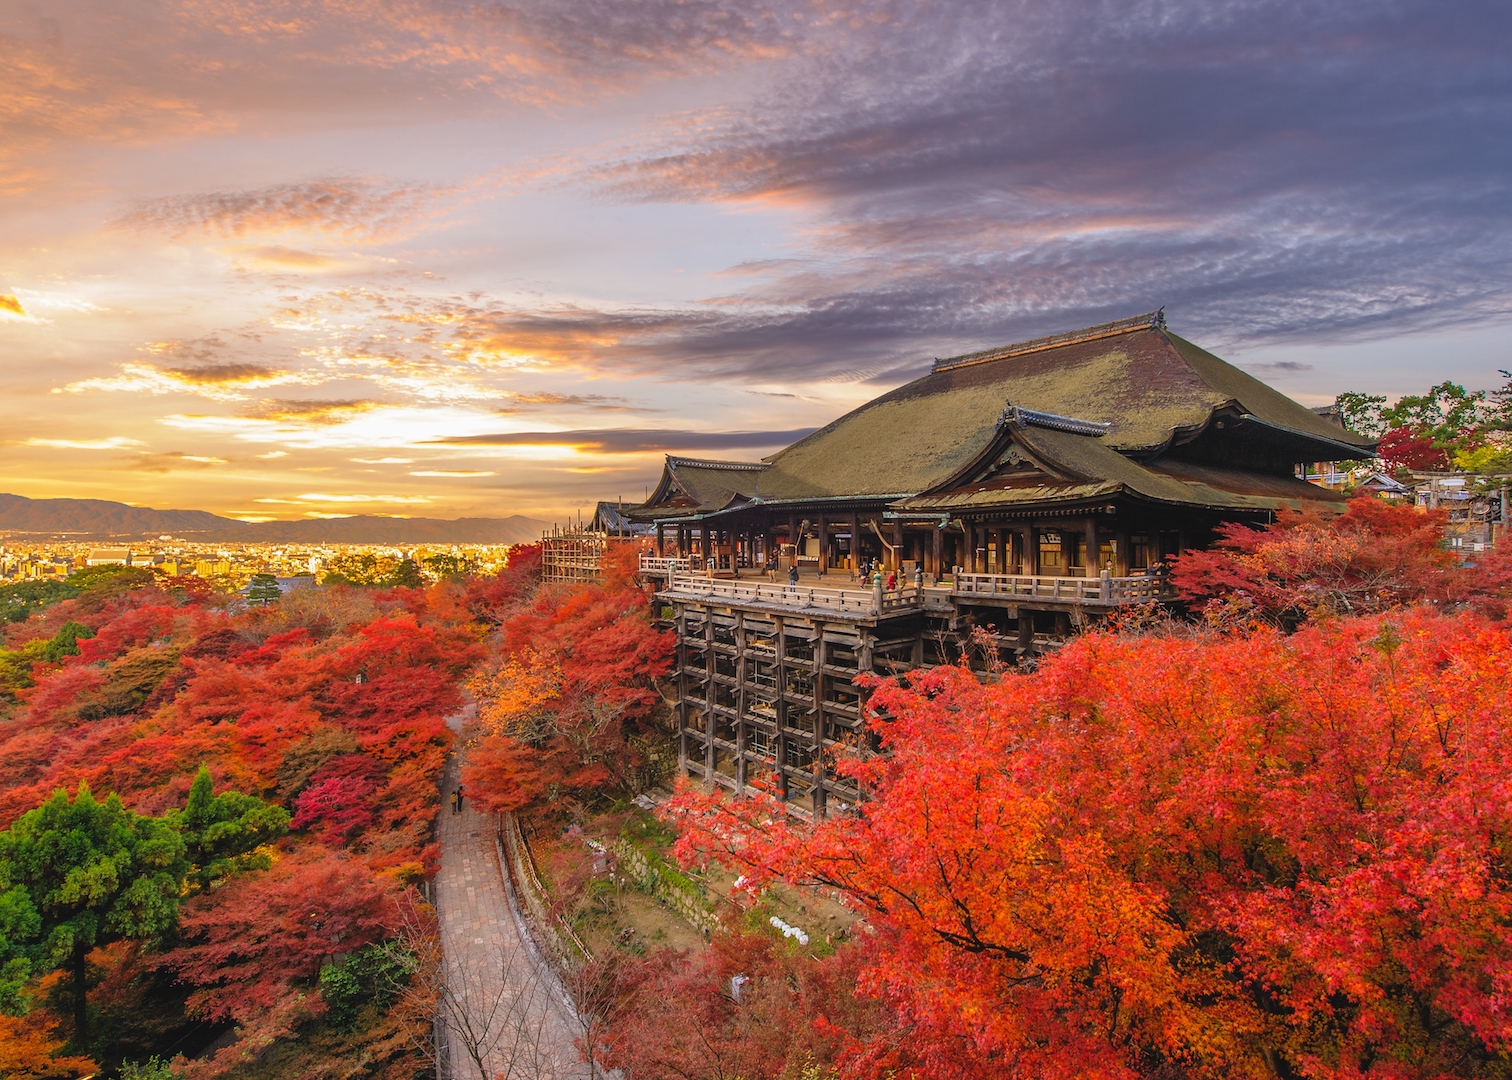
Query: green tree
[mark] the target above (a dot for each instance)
(374, 973)
(78, 873)
(16, 664)
(66, 641)
(444, 567)
(263, 589)
(23, 599)
(19, 924)
(406, 575)
(154, 1068)
(362, 568)
(224, 834)
(1448, 415)
(111, 578)
(1362, 412)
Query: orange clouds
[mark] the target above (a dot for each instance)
(219, 382)
(141, 71)
(351, 209)
(311, 412)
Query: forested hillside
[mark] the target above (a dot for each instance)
(217, 821)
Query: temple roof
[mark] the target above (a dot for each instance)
(694, 485)
(1148, 386)
(1124, 406)
(1070, 467)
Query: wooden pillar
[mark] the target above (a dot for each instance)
(708, 696)
(897, 551)
(1121, 556)
(1031, 551)
(779, 747)
(938, 549)
(855, 528)
(682, 690)
(1025, 630)
(823, 527)
(817, 766)
(661, 540)
(742, 738)
(1091, 541)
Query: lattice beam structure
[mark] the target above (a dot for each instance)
(768, 700)
(573, 556)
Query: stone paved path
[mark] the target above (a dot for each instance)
(507, 1016)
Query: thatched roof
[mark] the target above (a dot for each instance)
(1150, 387)
(1139, 392)
(694, 485)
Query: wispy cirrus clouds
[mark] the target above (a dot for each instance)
(633, 440)
(1269, 169)
(347, 209)
(114, 442)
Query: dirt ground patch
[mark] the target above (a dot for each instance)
(596, 890)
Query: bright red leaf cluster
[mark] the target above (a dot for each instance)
(1374, 556)
(1412, 448)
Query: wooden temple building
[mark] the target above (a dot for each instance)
(1023, 490)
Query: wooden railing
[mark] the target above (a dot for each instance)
(876, 601)
(1104, 589)
(858, 603)
(665, 566)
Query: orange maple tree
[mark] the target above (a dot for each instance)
(574, 684)
(29, 1051)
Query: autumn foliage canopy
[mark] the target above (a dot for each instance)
(1373, 557)
(566, 707)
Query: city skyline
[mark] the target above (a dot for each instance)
(290, 260)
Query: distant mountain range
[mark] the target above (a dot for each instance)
(98, 518)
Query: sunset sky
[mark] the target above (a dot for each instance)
(446, 258)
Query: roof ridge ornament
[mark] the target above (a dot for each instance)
(1152, 320)
(1015, 417)
(732, 466)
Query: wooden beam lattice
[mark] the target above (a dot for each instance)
(573, 556)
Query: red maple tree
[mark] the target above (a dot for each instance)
(1231, 855)
(1374, 556)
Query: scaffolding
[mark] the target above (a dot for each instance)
(572, 555)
